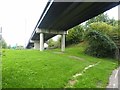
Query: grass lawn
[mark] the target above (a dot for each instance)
(49, 69)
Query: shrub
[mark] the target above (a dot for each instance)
(100, 45)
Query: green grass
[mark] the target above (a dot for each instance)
(35, 69)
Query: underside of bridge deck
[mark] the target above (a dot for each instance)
(61, 16)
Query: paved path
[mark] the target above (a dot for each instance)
(114, 81)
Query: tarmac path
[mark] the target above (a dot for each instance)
(114, 80)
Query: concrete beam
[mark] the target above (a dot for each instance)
(34, 41)
(50, 31)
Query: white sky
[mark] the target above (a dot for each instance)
(18, 19)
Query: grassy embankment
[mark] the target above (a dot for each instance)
(51, 69)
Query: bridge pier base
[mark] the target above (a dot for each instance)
(41, 41)
(37, 45)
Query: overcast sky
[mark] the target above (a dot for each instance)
(19, 17)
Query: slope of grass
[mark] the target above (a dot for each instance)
(35, 69)
(96, 77)
(31, 68)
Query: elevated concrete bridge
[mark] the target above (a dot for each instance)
(58, 17)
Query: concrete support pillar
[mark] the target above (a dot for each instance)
(45, 31)
(63, 42)
(41, 41)
(36, 45)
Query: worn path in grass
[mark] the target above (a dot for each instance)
(74, 80)
(97, 77)
(70, 56)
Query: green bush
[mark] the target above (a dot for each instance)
(100, 45)
(75, 35)
(102, 27)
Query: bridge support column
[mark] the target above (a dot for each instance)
(41, 41)
(63, 42)
(36, 45)
(45, 31)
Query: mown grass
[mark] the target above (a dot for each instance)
(96, 77)
(35, 69)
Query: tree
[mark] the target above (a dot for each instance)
(9, 46)
(102, 18)
(102, 27)
(113, 32)
(58, 42)
(115, 36)
(50, 43)
(4, 44)
(75, 35)
(53, 44)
